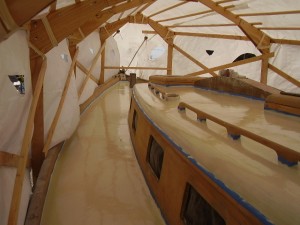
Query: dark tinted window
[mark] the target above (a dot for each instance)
(196, 210)
(155, 156)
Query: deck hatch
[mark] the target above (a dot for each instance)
(155, 156)
(197, 211)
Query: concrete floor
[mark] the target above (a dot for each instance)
(97, 179)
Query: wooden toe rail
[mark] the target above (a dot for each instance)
(285, 155)
(164, 95)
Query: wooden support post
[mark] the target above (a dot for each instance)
(132, 80)
(18, 186)
(60, 106)
(102, 72)
(170, 59)
(37, 143)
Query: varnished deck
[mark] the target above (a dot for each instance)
(97, 179)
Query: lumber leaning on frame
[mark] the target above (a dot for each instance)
(91, 69)
(17, 191)
(60, 106)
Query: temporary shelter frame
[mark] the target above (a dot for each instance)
(48, 23)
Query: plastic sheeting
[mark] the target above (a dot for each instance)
(14, 108)
(58, 65)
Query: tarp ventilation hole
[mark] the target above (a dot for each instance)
(209, 52)
(18, 82)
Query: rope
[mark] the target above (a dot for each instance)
(145, 39)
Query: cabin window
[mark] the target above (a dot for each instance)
(197, 211)
(134, 121)
(18, 82)
(155, 156)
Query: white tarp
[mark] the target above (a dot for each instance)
(14, 109)
(58, 65)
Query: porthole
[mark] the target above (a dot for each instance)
(197, 211)
(155, 156)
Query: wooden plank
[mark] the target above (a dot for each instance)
(270, 13)
(36, 204)
(254, 34)
(23, 11)
(286, 41)
(193, 60)
(211, 25)
(93, 24)
(8, 159)
(220, 36)
(102, 72)
(37, 142)
(162, 31)
(238, 63)
(18, 186)
(85, 71)
(135, 67)
(284, 75)
(91, 69)
(170, 59)
(167, 9)
(279, 28)
(60, 106)
(110, 28)
(185, 16)
(281, 150)
(65, 21)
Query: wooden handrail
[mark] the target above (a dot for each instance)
(285, 155)
(164, 95)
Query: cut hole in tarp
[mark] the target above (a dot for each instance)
(64, 57)
(18, 82)
(157, 52)
(209, 52)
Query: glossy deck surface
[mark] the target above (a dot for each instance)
(247, 168)
(97, 179)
